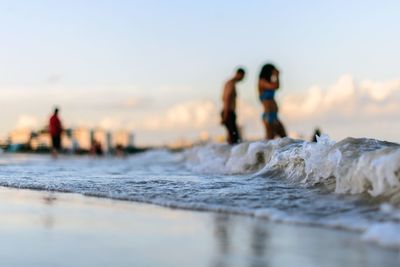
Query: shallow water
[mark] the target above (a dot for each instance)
(286, 180)
(47, 227)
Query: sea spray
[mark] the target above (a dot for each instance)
(355, 165)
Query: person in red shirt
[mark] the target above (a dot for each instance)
(55, 129)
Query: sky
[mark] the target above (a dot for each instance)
(157, 67)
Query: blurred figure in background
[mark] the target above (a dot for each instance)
(96, 149)
(268, 83)
(119, 151)
(229, 107)
(317, 132)
(55, 130)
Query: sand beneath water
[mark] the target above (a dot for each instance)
(39, 228)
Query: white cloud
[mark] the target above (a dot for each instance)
(27, 122)
(345, 98)
(345, 101)
(379, 91)
(189, 115)
(198, 115)
(110, 123)
(303, 105)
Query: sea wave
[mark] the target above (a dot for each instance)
(351, 166)
(352, 184)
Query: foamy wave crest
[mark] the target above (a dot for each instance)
(351, 166)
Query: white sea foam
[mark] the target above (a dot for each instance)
(351, 166)
(354, 166)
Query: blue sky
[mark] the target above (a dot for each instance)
(165, 53)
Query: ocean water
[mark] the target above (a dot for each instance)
(353, 184)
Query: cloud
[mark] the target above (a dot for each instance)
(188, 115)
(380, 91)
(345, 99)
(345, 102)
(27, 122)
(110, 123)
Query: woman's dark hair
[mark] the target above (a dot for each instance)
(266, 72)
(241, 71)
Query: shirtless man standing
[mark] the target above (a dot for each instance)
(229, 103)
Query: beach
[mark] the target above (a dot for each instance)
(41, 228)
(199, 133)
(279, 203)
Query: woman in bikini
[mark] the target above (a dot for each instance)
(268, 83)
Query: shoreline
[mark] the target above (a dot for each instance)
(269, 215)
(65, 229)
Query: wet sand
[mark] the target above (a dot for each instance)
(39, 228)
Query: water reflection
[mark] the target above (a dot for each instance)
(222, 233)
(48, 217)
(231, 241)
(258, 244)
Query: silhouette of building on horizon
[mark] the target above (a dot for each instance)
(74, 140)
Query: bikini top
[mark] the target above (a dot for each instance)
(267, 95)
